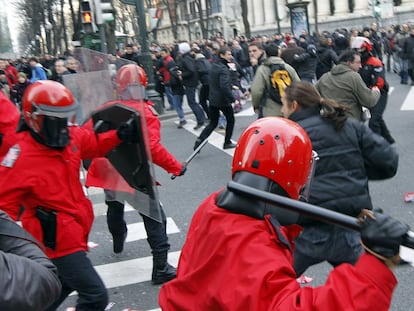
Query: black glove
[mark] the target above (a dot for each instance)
(183, 169)
(383, 236)
(128, 132)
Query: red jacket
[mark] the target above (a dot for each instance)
(235, 262)
(47, 177)
(102, 174)
(9, 120)
(164, 69)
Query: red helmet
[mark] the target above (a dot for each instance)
(278, 149)
(47, 107)
(362, 42)
(130, 75)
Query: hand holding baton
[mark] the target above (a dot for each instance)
(192, 156)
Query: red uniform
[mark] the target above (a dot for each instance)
(37, 175)
(103, 175)
(235, 262)
(9, 120)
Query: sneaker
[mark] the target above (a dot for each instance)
(181, 124)
(229, 145)
(198, 126)
(118, 242)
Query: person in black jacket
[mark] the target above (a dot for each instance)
(130, 54)
(29, 279)
(221, 98)
(341, 186)
(189, 77)
(326, 57)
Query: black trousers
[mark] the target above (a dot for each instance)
(156, 231)
(77, 273)
(214, 118)
(377, 123)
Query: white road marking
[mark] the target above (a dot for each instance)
(132, 271)
(408, 103)
(136, 231)
(215, 139)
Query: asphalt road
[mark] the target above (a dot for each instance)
(127, 275)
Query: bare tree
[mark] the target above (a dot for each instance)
(244, 12)
(172, 8)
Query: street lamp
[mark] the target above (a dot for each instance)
(145, 57)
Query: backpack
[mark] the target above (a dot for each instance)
(279, 80)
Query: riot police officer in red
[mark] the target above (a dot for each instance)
(41, 173)
(131, 82)
(238, 254)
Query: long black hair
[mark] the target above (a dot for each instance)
(307, 96)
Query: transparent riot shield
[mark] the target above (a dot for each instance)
(127, 170)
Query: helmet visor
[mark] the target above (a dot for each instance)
(304, 194)
(133, 91)
(66, 112)
(55, 132)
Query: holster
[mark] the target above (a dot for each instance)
(48, 224)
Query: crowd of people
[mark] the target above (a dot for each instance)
(314, 88)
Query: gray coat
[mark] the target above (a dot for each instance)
(28, 278)
(346, 86)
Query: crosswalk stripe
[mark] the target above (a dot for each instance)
(249, 111)
(409, 101)
(407, 254)
(119, 273)
(136, 231)
(214, 139)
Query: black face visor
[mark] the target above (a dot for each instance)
(55, 132)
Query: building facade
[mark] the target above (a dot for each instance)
(225, 17)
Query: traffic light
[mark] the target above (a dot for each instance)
(87, 19)
(104, 11)
(377, 9)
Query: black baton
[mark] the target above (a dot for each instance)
(310, 210)
(192, 156)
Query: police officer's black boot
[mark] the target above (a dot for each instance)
(162, 271)
(116, 224)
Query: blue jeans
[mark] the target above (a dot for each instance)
(76, 272)
(190, 92)
(170, 95)
(178, 105)
(404, 70)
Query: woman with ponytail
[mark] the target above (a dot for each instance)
(349, 154)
